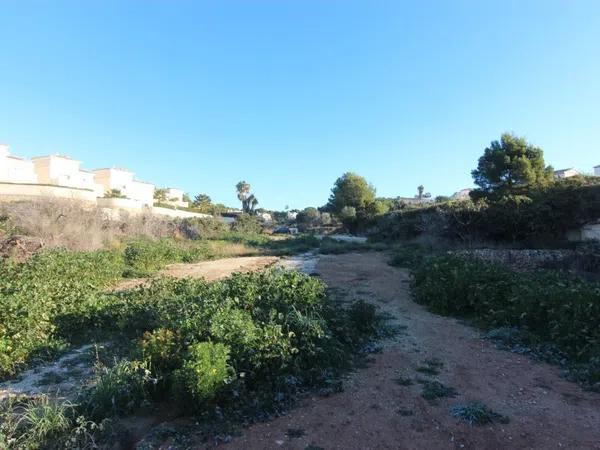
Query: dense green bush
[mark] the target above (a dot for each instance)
(246, 223)
(274, 324)
(549, 307)
(539, 215)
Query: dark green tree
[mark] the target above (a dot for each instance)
(510, 163)
(351, 191)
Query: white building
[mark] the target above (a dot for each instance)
(597, 171)
(61, 170)
(123, 181)
(14, 169)
(565, 173)
(175, 197)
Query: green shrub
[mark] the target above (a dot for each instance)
(476, 413)
(549, 307)
(206, 370)
(246, 223)
(535, 216)
(117, 390)
(161, 350)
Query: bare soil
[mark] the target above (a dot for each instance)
(209, 270)
(375, 412)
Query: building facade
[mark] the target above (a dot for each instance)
(123, 181)
(175, 198)
(14, 169)
(59, 170)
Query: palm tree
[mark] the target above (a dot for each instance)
(249, 201)
(421, 189)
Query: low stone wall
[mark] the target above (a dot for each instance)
(24, 191)
(178, 213)
(522, 259)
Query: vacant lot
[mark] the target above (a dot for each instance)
(383, 405)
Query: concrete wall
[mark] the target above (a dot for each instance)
(20, 191)
(143, 192)
(120, 203)
(177, 213)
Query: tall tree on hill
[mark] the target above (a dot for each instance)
(510, 163)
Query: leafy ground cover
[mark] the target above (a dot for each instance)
(553, 311)
(241, 349)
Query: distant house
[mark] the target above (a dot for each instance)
(14, 169)
(565, 173)
(175, 197)
(597, 171)
(123, 181)
(64, 171)
(265, 217)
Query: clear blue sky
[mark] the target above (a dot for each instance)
(289, 94)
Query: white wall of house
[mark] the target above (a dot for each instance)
(141, 191)
(597, 171)
(123, 181)
(114, 178)
(565, 173)
(15, 170)
(62, 171)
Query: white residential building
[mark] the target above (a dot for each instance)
(597, 171)
(14, 169)
(123, 181)
(565, 173)
(175, 197)
(64, 171)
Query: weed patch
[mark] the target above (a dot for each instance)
(432, 390)
(476, 413)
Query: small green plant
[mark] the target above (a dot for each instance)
(294, 433)
(404, 381)
(431, 367)
(206, 370)
(117, 390)
(161, 349)
(476, 413)
(432, 390)
(34, 423)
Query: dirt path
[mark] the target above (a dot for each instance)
(375, 412)
(210, 270)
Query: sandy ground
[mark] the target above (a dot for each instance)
(375, 412)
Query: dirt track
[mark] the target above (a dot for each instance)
(374, 412)
(209, 270)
